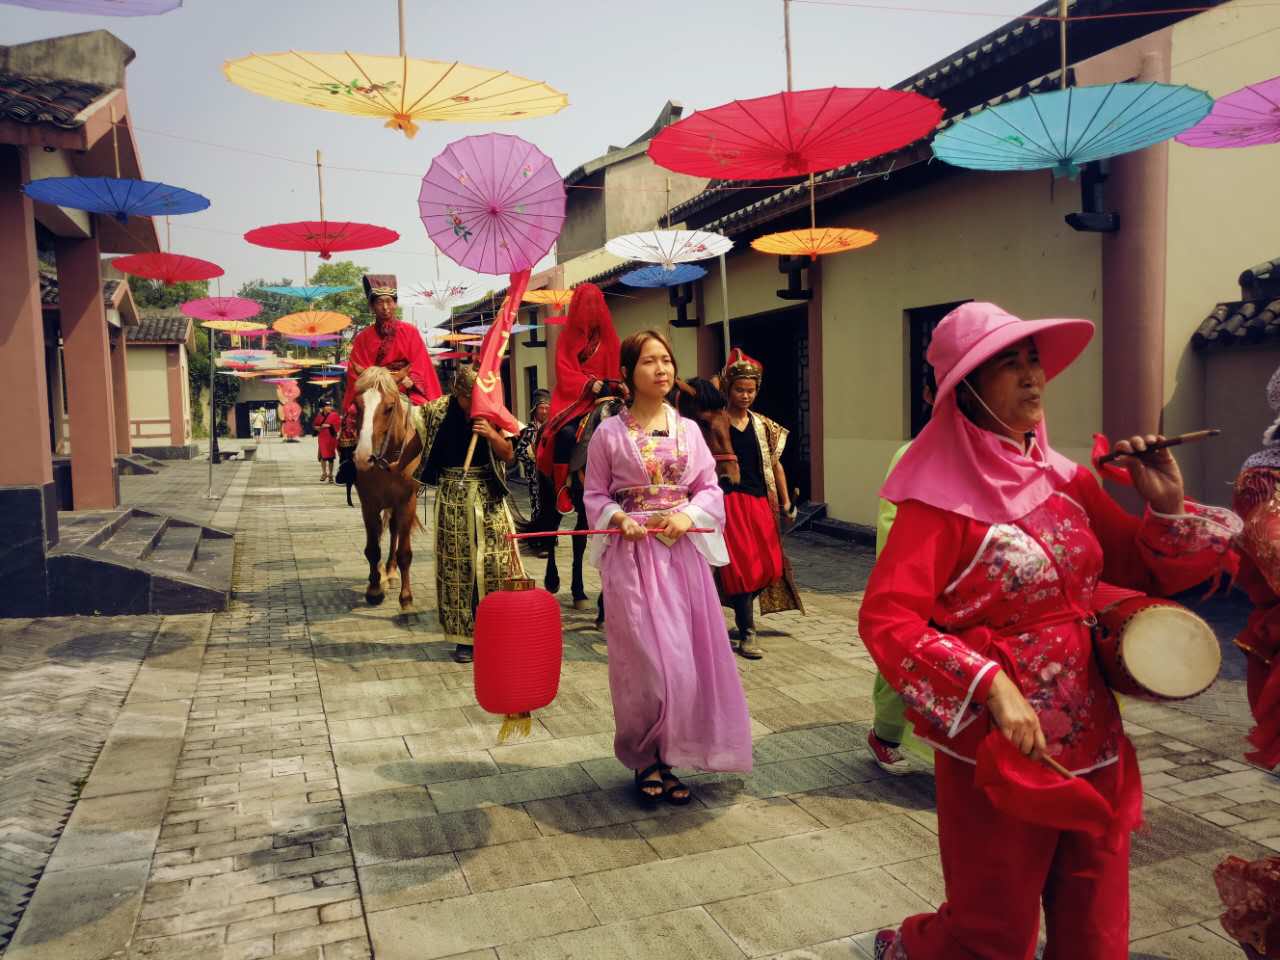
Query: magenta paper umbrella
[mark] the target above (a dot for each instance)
(102, 8)
(222, 308)
(492, 203)
(1249, 117)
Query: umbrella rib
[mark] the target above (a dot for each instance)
(426, 93)
(373, 85)
(1083, 146)
(768, 141)
(465, 91)
(1082, 143)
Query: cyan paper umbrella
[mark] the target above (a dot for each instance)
(658, 277)
(119, 198)
(308, 293)
(484, 328)
(1065, 129)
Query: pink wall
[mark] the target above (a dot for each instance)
(87, 355)
(173, 368)
(120, 392)
(24, 428)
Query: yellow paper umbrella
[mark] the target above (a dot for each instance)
(813, 243)
(460, 338)
(551, 298)
(230, 326)
(305, 361)
(312, 323)
(402, 90)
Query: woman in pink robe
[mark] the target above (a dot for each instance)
(677, 698)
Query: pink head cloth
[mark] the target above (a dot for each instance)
(957, 466)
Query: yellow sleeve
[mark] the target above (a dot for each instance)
(887, 511)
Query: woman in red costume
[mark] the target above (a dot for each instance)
(979, 612)
(1251, 891)
(586, 356)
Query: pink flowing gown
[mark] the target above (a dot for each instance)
(672, 674)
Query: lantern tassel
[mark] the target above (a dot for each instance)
(515, 726)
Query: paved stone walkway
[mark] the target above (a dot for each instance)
(310, 777)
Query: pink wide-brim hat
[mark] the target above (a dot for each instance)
(973, 333)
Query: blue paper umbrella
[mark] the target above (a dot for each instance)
(119, 198)
(1065, 129)
(658, 276)
(307, 293)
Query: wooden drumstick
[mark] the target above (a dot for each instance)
(1180, 439)
(1054, 765)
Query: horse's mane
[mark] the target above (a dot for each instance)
(377, 378)
(709, 398)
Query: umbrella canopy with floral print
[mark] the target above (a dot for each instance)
(669, 247)
(311, 323)
(492, 203)
(814, 242)
(794, 133)
(1249, 117)
(1064, 129)
(324, 237)
(442, 294)
(222, 308)
(402, 91)
(168, 268)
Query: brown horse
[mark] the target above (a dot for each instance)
(385, 486)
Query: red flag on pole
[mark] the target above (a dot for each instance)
(486, 395)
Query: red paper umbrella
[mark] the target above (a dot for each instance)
(325, 237)
(450, 355)
(167, 267)
(794, 133)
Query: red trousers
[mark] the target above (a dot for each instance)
(998, 868)
(755, 550)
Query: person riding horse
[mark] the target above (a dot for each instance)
(393, 345)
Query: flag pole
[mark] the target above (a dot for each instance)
(724, 301)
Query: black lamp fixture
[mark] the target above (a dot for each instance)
(1093, 218)
(792, 267)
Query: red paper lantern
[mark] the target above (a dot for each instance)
(291, 429)
(519, 645)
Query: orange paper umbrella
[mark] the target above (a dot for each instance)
(813, 243)
(460, 338)
(309, 323)
(551, 298)
(324, 381)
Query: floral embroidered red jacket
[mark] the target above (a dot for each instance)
(952, 600)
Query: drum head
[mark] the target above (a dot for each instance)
(1171, 652)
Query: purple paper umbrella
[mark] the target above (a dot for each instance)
(492, 203)
(102, 8)
(1249, 117)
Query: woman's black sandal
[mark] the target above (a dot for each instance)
(670, 784)
(644, 784)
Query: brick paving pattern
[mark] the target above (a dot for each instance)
(334, 791)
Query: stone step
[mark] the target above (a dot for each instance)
(213, 560)
(136, 538)
(135, 465)
(87, 528)
(177, 547)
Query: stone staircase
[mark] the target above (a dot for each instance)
(133, 561)
(138, 464)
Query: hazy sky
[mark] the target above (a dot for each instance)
(618, 62)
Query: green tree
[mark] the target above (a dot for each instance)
(351, 302)
(154, 295)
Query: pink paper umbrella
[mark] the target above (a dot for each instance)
(492, 203)
(222, 308)
(1249, 117)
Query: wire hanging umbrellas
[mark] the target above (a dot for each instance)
(650, 277)
(492, 203)
(1248, 117)
(402, 91)
(324, 237)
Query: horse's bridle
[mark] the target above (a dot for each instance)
(380, 459)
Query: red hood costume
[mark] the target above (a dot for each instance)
(587, 349)
(396, 346)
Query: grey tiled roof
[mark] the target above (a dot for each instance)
(35, 100)
(1239, 322)
(161, 330)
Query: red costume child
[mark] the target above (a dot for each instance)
(990, 569)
